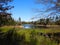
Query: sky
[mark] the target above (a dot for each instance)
(24, 9)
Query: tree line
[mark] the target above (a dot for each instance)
(48, 21)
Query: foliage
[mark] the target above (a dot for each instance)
(5, 17)
(49, 21)
(9, 38)
(5, 1)
(25, 37)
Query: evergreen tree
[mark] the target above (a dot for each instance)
(5, 17)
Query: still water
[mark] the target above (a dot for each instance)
(33, 26)
(28, 26)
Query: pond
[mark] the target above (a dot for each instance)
(28, 26)
(33, 26)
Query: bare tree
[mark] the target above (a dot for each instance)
(52, 6)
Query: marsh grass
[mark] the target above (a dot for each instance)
(18, 36)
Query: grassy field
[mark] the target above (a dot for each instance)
(43, 30)
(33, 36)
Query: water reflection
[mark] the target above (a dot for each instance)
(28, 25)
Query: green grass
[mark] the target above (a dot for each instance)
(5, 29)
(21, 30)
(32, 36)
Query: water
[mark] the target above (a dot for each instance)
(33, 26)
(28, 26)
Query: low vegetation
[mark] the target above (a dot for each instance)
(17, 36)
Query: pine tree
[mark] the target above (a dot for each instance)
(4, 15)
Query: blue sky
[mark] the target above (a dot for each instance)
(25, 9)
(22, 9)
